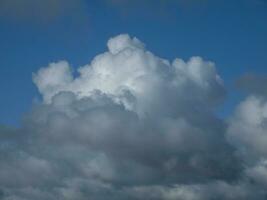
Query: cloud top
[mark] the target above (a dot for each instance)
(135, 77)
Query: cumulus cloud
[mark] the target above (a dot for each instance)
(132, 125)
(247, 129)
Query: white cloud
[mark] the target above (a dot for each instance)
(247, 131)
(135, 77)
(132, 125)
(247, 128)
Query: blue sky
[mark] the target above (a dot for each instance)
(128, 110)
(230, 33)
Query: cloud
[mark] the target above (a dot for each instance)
(211, 190)
(132, 125)
(40, 11)
(247, 129)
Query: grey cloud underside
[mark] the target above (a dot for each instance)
(134, 126)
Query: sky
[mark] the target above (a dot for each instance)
(133, 99)
(230, 33)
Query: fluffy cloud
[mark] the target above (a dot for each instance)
(247, 130)
(135, 77)
(134, 126)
